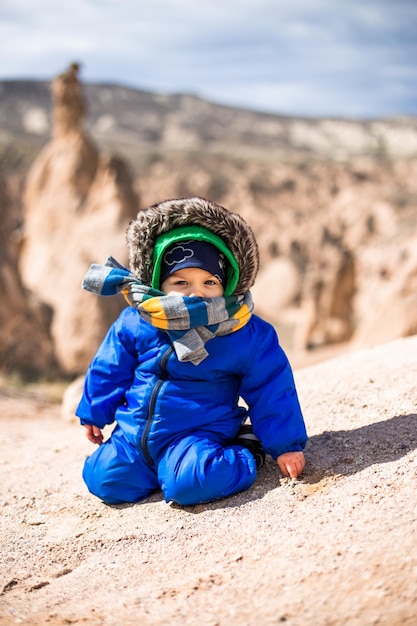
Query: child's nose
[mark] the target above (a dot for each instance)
(196, 292)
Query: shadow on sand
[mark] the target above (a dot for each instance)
(346, 452)
(332, 453)
(336, 453)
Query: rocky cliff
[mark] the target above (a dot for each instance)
(138, 124)
(77, 206)
(333, 204)
(25, 341)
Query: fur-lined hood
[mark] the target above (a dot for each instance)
(165, 216)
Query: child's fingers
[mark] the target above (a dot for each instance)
(291, 464)
(94, 434)
(98, 435)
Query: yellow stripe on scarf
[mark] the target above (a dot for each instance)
(243, 315)
(155, 309)
(125, 294)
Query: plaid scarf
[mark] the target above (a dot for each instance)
(189, 321)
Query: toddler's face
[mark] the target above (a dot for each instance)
(193, 281)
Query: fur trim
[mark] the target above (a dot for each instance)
(169, 214)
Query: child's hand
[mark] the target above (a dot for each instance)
(94, 434)
(291, 463)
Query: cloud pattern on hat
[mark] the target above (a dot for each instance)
(192, 253)
(179, 254)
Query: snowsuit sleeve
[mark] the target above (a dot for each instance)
(269, 390)
(110, 373)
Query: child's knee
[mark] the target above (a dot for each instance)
(205, 472)
(98, 483)
(115, 473)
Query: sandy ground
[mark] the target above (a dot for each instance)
(338, 547)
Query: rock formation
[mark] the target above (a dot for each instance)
(77, 206)
(337, 241)
(69, 104)
(336, 227)
(25, 342)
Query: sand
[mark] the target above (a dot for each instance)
(337, 547)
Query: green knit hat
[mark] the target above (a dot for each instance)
(198, 233)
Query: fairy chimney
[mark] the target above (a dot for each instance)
(69, 104)
(77, 206)
(25, 343)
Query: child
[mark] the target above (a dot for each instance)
(173, 366)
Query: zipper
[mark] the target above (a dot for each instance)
(152, 403)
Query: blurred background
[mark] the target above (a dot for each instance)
(301, 116)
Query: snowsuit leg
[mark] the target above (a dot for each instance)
(197, 469)
(116, 472)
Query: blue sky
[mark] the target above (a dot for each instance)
(343, 58)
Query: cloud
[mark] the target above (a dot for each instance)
(294, 56)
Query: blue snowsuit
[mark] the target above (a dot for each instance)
(176, 422)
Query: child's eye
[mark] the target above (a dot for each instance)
(210, 282)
